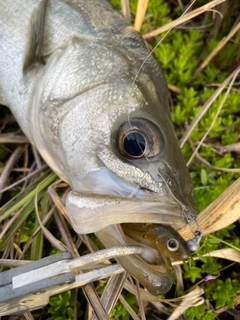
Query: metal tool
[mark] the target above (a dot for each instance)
(29, 287)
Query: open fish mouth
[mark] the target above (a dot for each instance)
(103, 215)
(107, 215)
(105, 199)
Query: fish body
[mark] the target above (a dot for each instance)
(77, 80)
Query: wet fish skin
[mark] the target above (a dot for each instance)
(72, 106)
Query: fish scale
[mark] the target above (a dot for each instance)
(68, 73)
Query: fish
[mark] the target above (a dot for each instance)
(76, 77)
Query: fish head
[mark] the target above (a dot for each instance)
(127, 153)
(105, 128)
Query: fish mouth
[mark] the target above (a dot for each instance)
(90, 212)
(100, 198)
(103, 214)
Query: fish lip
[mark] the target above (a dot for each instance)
(99, 211)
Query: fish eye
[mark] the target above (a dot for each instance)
(134, 144)
(139, 138)
(172, 245)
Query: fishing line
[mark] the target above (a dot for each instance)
(147, 57)
(185, 212)
(159, 42)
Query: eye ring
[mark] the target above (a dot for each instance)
(138, 138)
(172, 245)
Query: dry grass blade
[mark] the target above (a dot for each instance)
(65, 233)
(12, 138)
(44, 221)
(191, 299)
(219, 214)
(197, 155)
(140, 301)
(95, 302)
(217, 114)
(220, 45)
(179, 280)
(30, 175)
(112, 292)
(183, 19)
(55, 242)
(226, 253)
(88, 289)
(57, 200)
(235, 147)
(126, 10)
(10, 263)
(206, 106)
(28, 316)
(11, 221)
(128, 308)
(141, 10)
(10, 164)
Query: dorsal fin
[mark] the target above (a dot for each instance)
(37, 29)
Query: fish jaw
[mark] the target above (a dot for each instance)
(92, 212)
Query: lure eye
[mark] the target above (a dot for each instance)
(139, 138)
(172, 245)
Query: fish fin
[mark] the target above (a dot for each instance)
(34, 53)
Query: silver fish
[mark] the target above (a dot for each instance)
(76, 78)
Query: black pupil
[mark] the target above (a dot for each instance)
(172, 244)
(134, 144)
